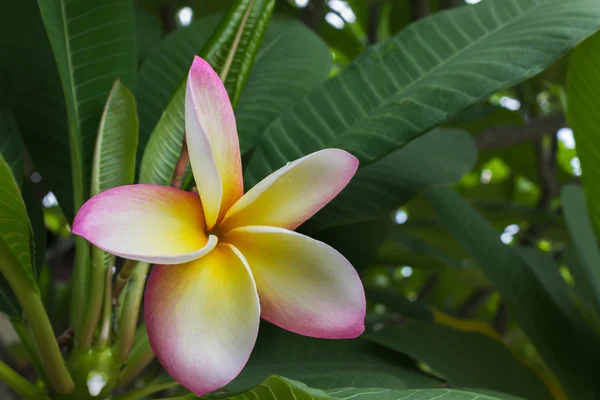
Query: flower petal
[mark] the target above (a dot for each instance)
(151, 223)
(212, 141)
(202, 318)
(294, 193)
(304, 285)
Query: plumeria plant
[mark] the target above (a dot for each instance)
(255, 199)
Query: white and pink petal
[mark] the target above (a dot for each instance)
(150, 223)
(293, 193)
(304, 285)
(212, 141)
(202, 318)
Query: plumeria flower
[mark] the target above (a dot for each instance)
(224, 258)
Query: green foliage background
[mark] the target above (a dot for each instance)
(473, 218)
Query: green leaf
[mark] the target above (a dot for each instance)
(420, 394)
(14, 239)
(291, 61)
(403, 248)
(279, 388)
(93, 45)
(583, 94)
(116, 145)
(230, 51)
(490, 363)
(38, 228)
(579, 223)
(15, 231)
(548, 273)
(165, 67)
(523, 294)
(326, 364)
(11, 146)
(35, 97)
(149, 33)
(396, 91)
(357, 242)
(437, 158)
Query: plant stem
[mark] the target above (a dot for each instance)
(85, 335)
(27, 341)
(19, 384)
(181, 166)
(141, 355)
(146, 390)
(31, 302)
(130, 312)
(122, 278)
(104, 336)
(80, 283)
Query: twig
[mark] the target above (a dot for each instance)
(473, 302)
(66, 337)
(428, 287)
(508, 136)
(373, 24)
(419, 9)
(500, 319)
(447, 4)
(181, 166)
(314, 14)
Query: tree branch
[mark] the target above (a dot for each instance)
(314, 14)
(373, 24)
(507, 136)
(447, 4)
(419, 9)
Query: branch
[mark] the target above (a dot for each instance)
(373, 24)
(314, 14)
(447, 4)
(507, 136)
(419, 9)
(546, 161)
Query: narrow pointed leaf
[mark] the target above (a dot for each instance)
(35, 97)
(11, 146)
(524, 295)
(438, 66)
(116, 145)
(583, 96)
(15, 231)
(579, 223)
(93, 45)
(230, 51)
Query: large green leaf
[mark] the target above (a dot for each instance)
(424, 75)
(165, 67)
(420, 394)
(93, 45)
(579, 224)
(489, 364)
(15, 231)
(583, 94)
(279, 388)
(230, 51)
(116, 145)
(148, 33)
(524, 295)
(15, 252)
(11, 146)
(437, 158)
(326, 364)
(290, 62)
(35, 97)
